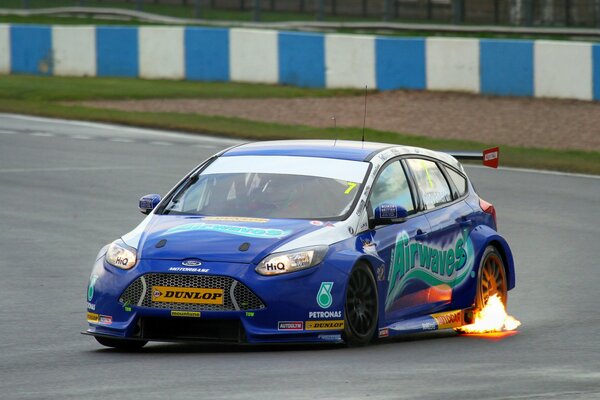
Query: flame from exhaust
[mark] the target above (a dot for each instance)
(492, 318)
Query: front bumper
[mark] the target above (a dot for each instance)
(255, 308)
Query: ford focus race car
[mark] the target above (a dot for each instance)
(303, 241)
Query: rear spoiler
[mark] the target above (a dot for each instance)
(490, 157)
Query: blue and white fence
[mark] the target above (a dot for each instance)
(498, 67)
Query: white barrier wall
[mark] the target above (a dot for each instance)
(253, 56)
(5, 49)
(563, 69)
(74, 50)
(350, 61)
(161, 52)
(453, 64)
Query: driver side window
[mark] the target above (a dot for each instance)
(392, 187)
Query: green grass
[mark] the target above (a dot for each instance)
(40, 96)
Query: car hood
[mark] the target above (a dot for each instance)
(219, 239)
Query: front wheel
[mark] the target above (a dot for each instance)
(362, 307)
(121, 344)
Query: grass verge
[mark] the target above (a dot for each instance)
(39, 96)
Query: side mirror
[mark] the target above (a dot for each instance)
(148, 203)
(387, 214)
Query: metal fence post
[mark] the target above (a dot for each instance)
(272, 5)
(333, 7)
(458, 11)
(387, 9)
(320, 10)
(567, 12)
(256, 12)
(528, 5)
(429, 9)
(198, 9)
(25, 3)
(365, 9)
(597, 13)
(139, 5)
(301, 6)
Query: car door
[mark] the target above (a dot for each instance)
(396, 245)
(443, 252)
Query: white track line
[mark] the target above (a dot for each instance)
(42, 134)
(538, 171)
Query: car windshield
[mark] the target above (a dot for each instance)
(271, 187)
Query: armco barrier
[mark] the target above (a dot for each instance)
(497, 67)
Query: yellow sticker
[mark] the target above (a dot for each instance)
(193, 314)
(450, 319)
(91, 317)
(168, 294)
(351, 185)
(333, 325)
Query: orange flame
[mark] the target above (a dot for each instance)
(492, 318)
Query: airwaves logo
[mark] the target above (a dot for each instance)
(324, 298)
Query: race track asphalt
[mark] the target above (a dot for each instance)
(66, 189)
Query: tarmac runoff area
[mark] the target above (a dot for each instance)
(68, 188)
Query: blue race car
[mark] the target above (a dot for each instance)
(303, 241)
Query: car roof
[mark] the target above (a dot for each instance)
(339, 149)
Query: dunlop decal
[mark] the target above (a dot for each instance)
(93, 317)
(167, 294)
(333, 325)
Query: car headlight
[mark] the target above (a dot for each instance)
(283, 263)
(120, 255)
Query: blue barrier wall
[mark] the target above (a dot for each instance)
(497, 67)
(506, 67)
(301, 59)
(400, 63)
(206, 54)
(31, 49)
(117, 51)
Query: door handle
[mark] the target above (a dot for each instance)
(465, 222)
(421, 235)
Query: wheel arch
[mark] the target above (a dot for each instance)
(507, 258)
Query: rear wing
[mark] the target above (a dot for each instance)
(490, 157)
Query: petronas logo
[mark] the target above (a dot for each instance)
(324, 299)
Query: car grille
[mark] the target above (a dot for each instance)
(236, 296)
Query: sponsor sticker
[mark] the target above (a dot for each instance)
(316, 223)
(452, 319)
(236, 219)
(91, 285)
(91, 306)
(428, 326)
(105, 319)
(329, 325)
(93, 317)
(290, 325)
(188, 269)
(324, 299)
(189, 314)
(385, 332)
(249, 313)
(267, 233)
(168, 294)
(332, 338)
(324, 314)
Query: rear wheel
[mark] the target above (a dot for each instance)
(121, 344)
(362, 307)
(492, 278)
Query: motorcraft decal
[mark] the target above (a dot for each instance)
(266, 233)
(447, 263)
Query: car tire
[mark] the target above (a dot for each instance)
(121, 344)
(361, 309)
(492, 278)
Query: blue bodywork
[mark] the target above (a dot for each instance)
(426, 264)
